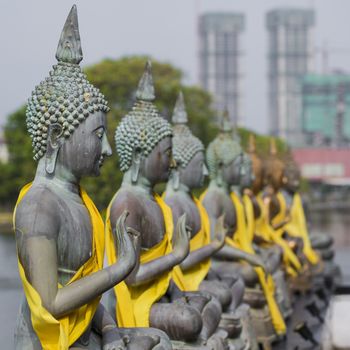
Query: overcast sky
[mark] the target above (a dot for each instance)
(164, 29)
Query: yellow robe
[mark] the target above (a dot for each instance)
(244, 237)
(59, 334)
(297, 227)
(264, 227)
(190, 279)
(134, 303)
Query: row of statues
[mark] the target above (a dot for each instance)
(182, 272)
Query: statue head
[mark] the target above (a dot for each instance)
(66, 115)
(143, 138)
(224, 155)
(188, 151)
(273, 168)
(257, 165)
(291, 175)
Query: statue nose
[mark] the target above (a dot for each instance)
(173, 163)
(106, 147)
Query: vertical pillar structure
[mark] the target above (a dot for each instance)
(290, 57)
(220, 59)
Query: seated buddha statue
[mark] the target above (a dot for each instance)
(272, 280)
(149, 297)
(271, 253)
(274, 214)
(316, 247)
(188, 175)
(59, 232)
(224, 159)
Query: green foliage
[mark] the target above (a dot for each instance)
(118, 80)
(21, 168)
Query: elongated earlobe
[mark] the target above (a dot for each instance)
(54, 143)
(135, 167)
(219, 177)
(175, 176)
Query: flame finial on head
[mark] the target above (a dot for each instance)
(145, 90)
(69, 46)
(180, 113)
(251, 144)
(225, 123)
(273, 146)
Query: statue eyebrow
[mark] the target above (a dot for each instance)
(99, 127)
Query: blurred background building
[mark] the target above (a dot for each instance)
(326, 109)
(220, 56)
(290, 57)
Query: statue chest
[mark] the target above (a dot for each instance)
(230, 213)
(151, 224)
(256, 207)
(74, 242)
(193, 219)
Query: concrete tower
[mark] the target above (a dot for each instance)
(290, 57)
(220, 60)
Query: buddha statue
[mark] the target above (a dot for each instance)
(316, 247)
(59, 232)
(275, 216)
(224, 160)
(272, 281)
(193, 272)
(296, 228)
(271, 253)
(148, 296)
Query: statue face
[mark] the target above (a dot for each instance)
(156, 166)
(247, 174)
(195, 172)
(231, 173)
(277, 175)
(291, 180)
(84, 151)
(257, 184)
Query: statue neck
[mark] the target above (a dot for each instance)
(237, 189)
(182, 188)
(142, 184)
(219, 185)
(62, 177)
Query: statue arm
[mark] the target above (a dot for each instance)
(205, 252)
(230, 253)
(38, 254)
(143, 273)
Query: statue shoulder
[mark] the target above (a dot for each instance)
(129, 201)
(213, 203)
(38, 213)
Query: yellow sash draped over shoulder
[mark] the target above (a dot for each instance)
(297, 227)
(263, 226)
(59, 334)
(244, 236)
(190, 279)
(134, 303)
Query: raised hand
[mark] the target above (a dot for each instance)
(181, 246)
(124, 243)
(220, 233)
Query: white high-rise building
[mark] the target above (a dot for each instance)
(290, 57)
(220, 60)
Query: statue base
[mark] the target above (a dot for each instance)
(283, 294)
(262, 323)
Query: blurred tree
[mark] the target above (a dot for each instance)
(118, 80)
